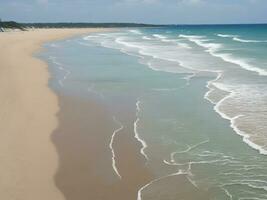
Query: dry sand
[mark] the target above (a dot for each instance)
(28, 158)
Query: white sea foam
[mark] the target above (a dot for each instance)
(90, 37)
(210, 47)
(213, 49)
(226, 36)
(246, 137)
(170, 70)
(142, 50)
(170, 40)
(190, 163)
(146, 38)
(227, 193)
(139, 194)
(112, 148)
(188, 149)
(202, 41)
(159, 36)
(229, 58)
(188, 171)
(176, 41)
(136, 32)
(238, 39)
(66, 76)
(121, 40)
(189, 77)
(249, 184)
(184, 45)
(192, 36)
(136, 134)
(211, 88)
(62, 68)
(246, 41)
(54, 45)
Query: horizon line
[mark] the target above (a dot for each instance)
(167, 24)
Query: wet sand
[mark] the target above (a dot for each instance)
(82, 140)
(85, 171)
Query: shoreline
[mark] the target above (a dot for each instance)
(72, 129)
(28, 116)
(101, 153)
(94, 152)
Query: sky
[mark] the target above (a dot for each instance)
(138, 11)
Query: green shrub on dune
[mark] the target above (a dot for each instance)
(10, 25)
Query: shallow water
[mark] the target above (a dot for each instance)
(200, 95)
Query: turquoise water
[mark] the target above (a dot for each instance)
(200, 94)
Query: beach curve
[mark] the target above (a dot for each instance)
(28, 116)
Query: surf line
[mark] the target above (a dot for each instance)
(60, 67)
(139, 194)
(245, 136)
(112, 148)
(210, 85)
(136, 134)
(189, 148)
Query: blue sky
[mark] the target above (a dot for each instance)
(141, 11)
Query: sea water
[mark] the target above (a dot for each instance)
(200, 95)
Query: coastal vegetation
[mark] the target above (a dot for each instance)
(10, 25)
(86, 25)
(23, 26)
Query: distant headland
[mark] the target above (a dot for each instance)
(7, 25)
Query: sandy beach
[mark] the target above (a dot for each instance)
(133, 100)
(56, 146)
(28, 116)
(81, 119)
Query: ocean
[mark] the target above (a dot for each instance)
(198, 96)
